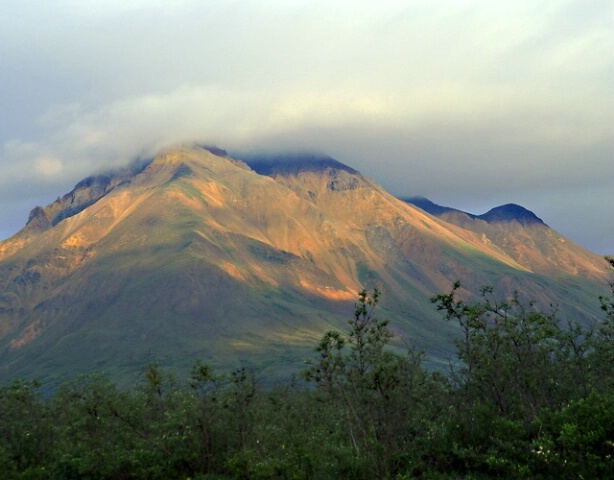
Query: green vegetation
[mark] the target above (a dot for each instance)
(530, 397)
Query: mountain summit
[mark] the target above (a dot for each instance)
(504, 213)
(511, 212)
(294, 163)
(195, 254)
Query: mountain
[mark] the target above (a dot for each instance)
(519, 234)
(502, 214)
(195, 254)
(511, 213)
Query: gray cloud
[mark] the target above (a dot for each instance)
(471, 104)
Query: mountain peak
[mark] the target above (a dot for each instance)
(294, 163)
(85, 193)
(38, 219)
(196, 255)
(501, 214)
(510, 212)
(215, 150)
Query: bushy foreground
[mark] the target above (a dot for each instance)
(529, 398)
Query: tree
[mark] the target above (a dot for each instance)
(576, 441)
(518, 366)
(98, 430)
(386, 399)
(26, 432)
(514, 357)
(602, 356)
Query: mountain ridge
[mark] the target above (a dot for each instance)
(197, 255)
(511, 212)
(502, 213)
(519, 234)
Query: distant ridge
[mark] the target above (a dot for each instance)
(215, 150)
(511, 212)
(431, 207)
(501, 214)
(293, 163)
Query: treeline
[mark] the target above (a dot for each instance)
(530, 397)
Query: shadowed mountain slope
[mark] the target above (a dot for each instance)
(198, 255)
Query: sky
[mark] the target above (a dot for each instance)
(472, 104)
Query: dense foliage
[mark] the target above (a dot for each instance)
(530, 397)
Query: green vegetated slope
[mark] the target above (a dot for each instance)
(197, 255)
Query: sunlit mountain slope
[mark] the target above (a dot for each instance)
(198, 255)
